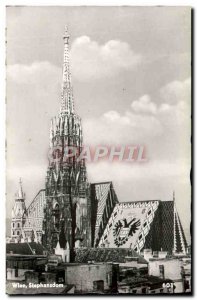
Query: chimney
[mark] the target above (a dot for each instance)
(148, 254)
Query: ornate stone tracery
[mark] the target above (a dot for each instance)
(66, 179)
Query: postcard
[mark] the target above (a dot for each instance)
(98, 122)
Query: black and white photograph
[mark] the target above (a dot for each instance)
(98, 150)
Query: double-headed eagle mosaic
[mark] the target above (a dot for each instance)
(124, 229)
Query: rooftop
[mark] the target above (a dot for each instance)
(143, 280)
(32, 248)
(118, 255)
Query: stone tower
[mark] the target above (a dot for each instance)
(67, 210)
(18, 213)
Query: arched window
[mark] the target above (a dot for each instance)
(56, 214)
(18, 232)
(13, 225)
(18, 225)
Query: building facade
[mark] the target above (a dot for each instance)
(94, 277)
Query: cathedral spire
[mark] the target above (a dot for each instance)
(20, 194)
(66, 180)
(67, 103)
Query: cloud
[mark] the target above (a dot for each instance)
(163, 128)
(171, 107)
(144, 105)
(115, 128)
(124, 171)
(93, 61)
(41, 73)
(176, 95)
(89, 60)
(176, 91)
(145, 119)
(175, 108)
(115, 117)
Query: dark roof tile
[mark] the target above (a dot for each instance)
(24, 248)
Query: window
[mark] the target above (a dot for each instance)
(13, 225)
(18, 225)
(15, 264)
(18, 232)
(56, 215)
(98, 285)
(13, 232)
(161, 271)
(16, 272)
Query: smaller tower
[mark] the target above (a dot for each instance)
(18, 214)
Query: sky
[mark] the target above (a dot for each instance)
(131, 74)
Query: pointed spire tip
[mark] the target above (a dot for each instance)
(67, 102)
(20, 194)
(66, 34)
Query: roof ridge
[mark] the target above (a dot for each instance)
(30, 248)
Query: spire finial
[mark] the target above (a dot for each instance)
(66, 34)
(173, 195)
(20, 194)
(67, 103)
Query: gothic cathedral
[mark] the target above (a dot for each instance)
(67, 204)
(70, 213)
